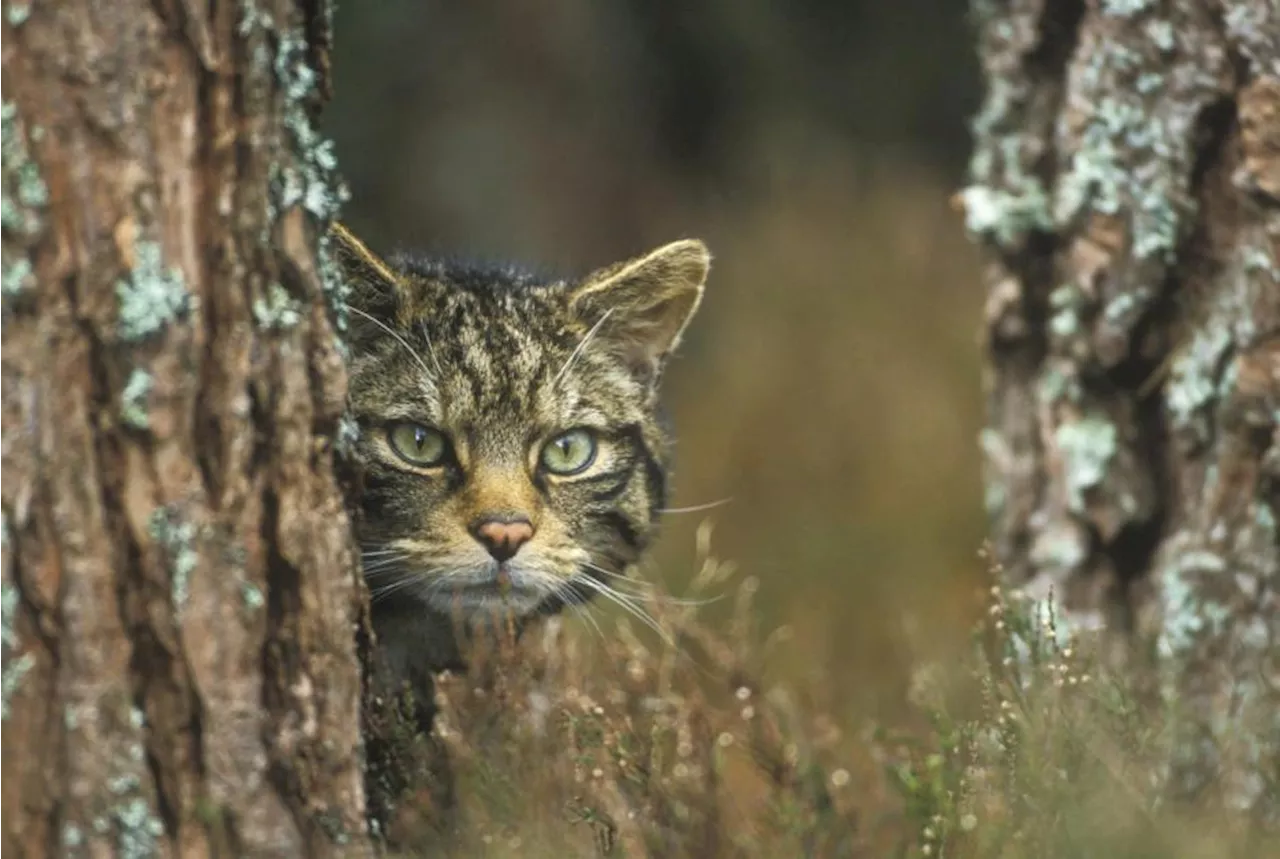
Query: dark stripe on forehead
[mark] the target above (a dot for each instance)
(476, 380)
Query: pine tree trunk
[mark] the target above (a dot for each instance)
(180, 672)
(1126, 184)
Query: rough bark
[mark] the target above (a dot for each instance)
(1126, 184)
(180, 672)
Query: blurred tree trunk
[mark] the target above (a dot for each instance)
(1126, 183)
(180, 672)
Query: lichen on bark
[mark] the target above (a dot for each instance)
(1125, 183)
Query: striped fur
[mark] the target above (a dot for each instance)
(501, 361)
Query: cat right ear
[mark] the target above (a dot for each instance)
(375, 288)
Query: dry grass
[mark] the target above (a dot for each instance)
(576, 744)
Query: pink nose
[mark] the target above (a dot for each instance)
(503, 535)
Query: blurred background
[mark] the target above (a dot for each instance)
(830, 385)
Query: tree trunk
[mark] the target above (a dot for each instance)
(1126, 183)
(180, 672)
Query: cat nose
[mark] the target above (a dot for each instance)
(503, 535)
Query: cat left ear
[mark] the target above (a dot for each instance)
(642, 307)
(375, 287)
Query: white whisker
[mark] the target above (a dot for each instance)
(627, 605)
(650, 596)
(582, 344)
(401, 341)
(581, 609)
(431, 349)
(696, 508)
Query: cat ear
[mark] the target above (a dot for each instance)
(641, 307)
(375, 288)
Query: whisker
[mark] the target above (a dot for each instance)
(650, 596)
(631, 608)
(575, 603)
(621, 577)
(582, 344)
(431, 349)
(394, 587)
(401, 341)
(383, 557)
(383, 571)
(696, 508)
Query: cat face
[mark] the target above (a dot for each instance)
(512, 453)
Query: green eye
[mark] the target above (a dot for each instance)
(417, 444)
(569, 452)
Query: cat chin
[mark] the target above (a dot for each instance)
(475, 603)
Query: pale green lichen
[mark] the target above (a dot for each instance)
(1162, 35)
(17, 12)
(178, 539)
(138, 829)
(1149, 82)
(1058, 384)
(23, 197)
(151, 295)
(1087, 446)
(1126, 304)
(72, 836)
(25, 193)
(252, 596)
(1130, 159)
(276, 310)
(1006, 216)
(336, 289)
(347, 435)
(1126, 8)
(1065, 301)
(17, 276)
(311, 180)
(1186, 614)
(133, 401)
(15, 669)
(995, 453)
(1098, 178)
(1193, 378)
(1059, 547)
(1257, 260)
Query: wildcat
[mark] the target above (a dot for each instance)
(513, 456)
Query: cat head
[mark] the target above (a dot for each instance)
(513, 456)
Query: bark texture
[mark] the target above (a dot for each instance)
(1126, 183)
(179, 585)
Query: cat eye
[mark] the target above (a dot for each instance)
(570, 452)
(417, 444)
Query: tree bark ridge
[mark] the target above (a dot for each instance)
(179, 578)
